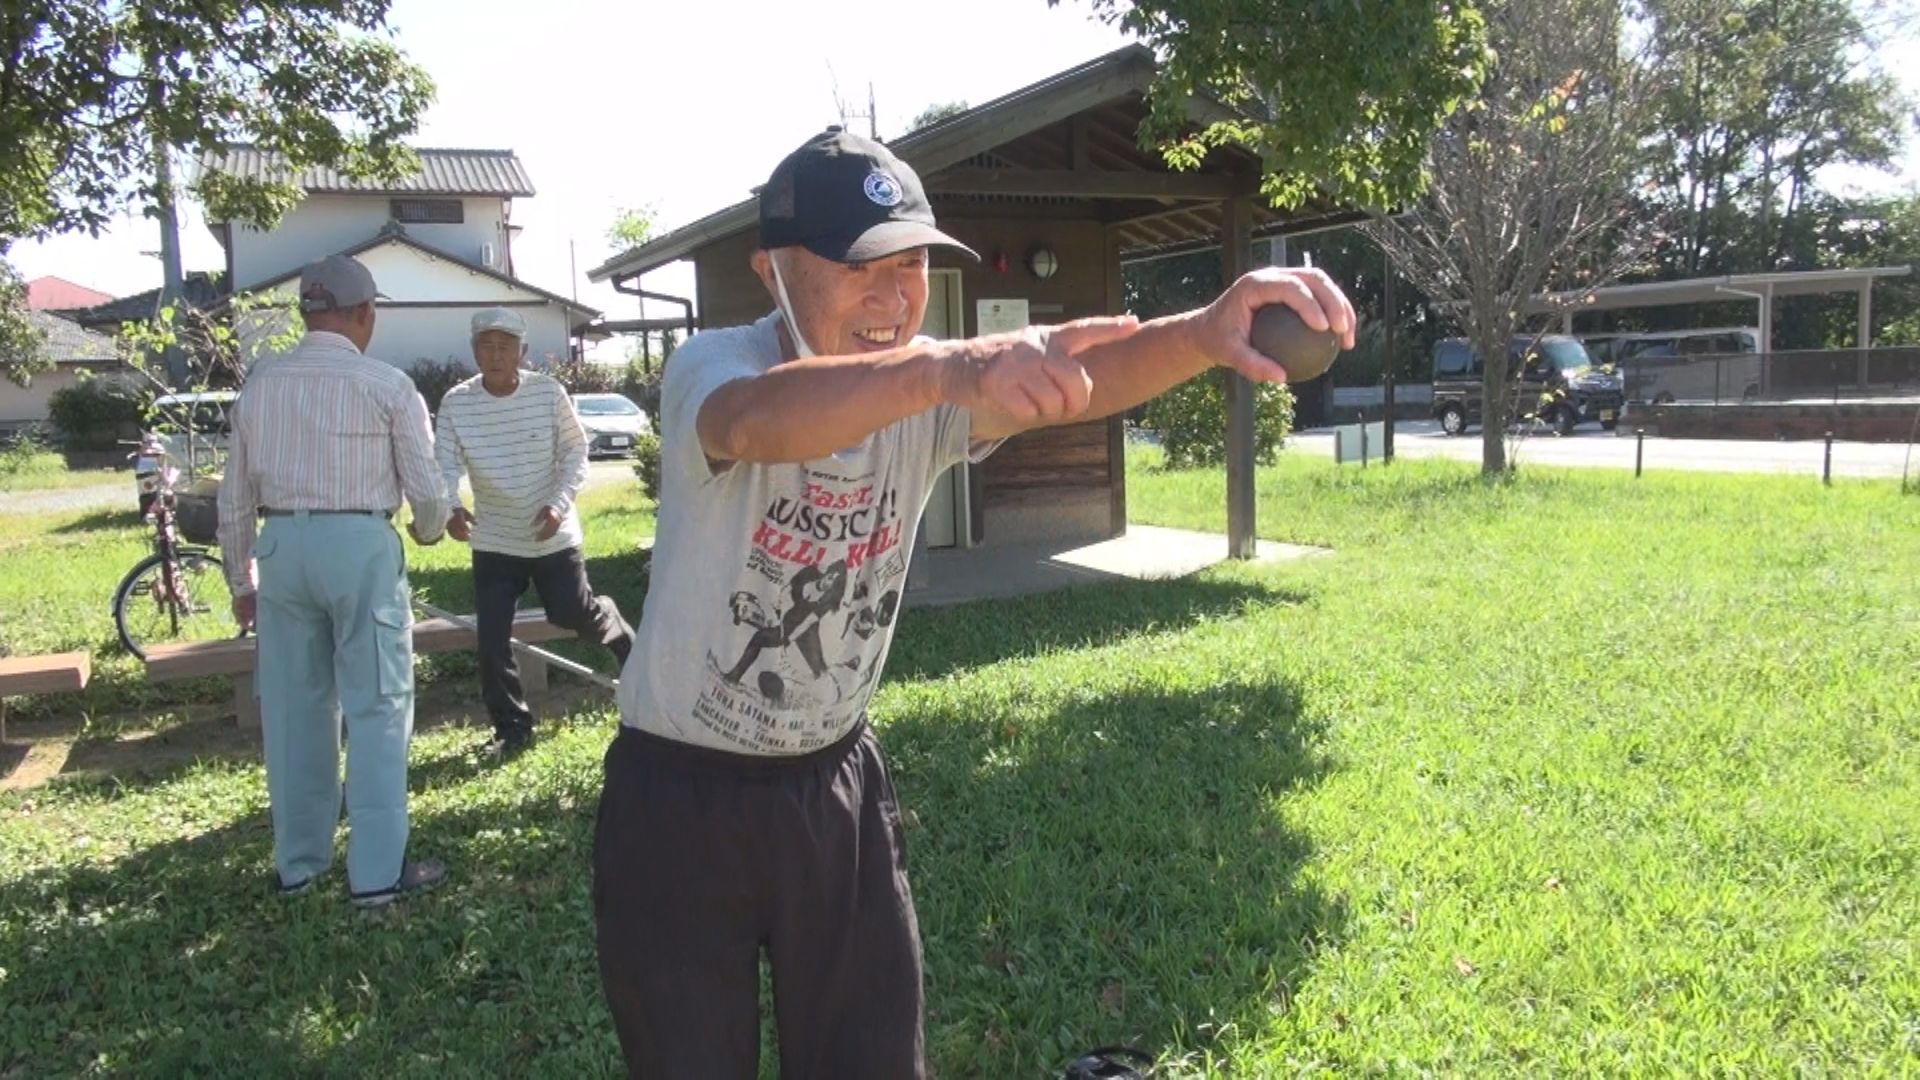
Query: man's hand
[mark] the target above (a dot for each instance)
(1221, 329)
(244, 608)
(413, 530)
(546, 523)
(1031, 377)
(460, 524)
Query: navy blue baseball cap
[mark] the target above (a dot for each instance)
(847, 198)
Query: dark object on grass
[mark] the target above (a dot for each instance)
(1280, 336)
(1110, 1063)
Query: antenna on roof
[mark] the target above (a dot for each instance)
(845, 109)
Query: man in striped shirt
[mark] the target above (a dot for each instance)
(325, 442)
(516, 435)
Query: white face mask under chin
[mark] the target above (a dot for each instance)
(800, 346)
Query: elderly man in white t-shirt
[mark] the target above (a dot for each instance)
(747, 807)
(516, 435)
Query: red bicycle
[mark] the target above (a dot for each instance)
(179, 592)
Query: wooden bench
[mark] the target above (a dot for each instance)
(55, 673)
(235, 656)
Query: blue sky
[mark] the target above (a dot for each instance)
(687, 105)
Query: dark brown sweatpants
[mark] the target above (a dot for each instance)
(703, 858)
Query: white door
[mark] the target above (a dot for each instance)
(946, 518)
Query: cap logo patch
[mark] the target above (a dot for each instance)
(883, 190)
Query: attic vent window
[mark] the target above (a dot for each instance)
(428, 211)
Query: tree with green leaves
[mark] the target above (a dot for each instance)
(1757, 97)
(99, 98)
(22, 344)
(1338, 103)
(933, 114)
(1531, 187)
(631, 227)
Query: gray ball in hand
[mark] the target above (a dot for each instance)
(1280, 336)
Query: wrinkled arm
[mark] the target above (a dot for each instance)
(413, 459)
(239, 513)
(807, 409)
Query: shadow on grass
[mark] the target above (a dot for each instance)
(622, 576)
(102, 521)
(1117, 872)
(933, 642)
(182, 960)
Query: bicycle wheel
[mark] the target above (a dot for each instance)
(195, 606)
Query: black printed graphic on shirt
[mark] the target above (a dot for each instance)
(807, 648)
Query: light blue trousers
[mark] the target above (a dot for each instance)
(335, 640)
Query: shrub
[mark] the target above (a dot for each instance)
(581, 376)
(94, 414)
(23, 454)
(646, 465)
(1191, 420)
(641, 385)
(433, 378)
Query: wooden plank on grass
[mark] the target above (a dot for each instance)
(233, 656)
(54, 673)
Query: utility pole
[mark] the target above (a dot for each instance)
(171, 278)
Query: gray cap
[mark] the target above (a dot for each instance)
(499, 318)
(335, 283)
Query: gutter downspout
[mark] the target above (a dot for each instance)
(620, 285)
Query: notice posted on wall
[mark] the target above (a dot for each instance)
(1001, 316)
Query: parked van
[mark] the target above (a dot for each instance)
(1555, 365)
(1605, 348)
(1690, 365)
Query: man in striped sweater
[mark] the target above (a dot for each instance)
(515, 434)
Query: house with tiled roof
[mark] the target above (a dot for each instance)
(75, 352)
(439, 244)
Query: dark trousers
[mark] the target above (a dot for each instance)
(702, 859)
(561, 581)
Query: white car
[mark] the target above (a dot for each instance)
(187, 431)
(612, 423)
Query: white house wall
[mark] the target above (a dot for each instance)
(323, 224)
(24, 407)
(408, 274)
(404, 335)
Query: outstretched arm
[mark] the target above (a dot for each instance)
(1169, 351)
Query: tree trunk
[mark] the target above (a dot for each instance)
(1493, 450)
(1495, 399)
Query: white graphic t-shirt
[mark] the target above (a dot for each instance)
(774, 588)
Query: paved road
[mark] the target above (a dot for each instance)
(119, 493)
(1595, 448)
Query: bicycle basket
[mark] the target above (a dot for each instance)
(196, 513)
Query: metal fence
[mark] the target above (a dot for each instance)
(1812, 375)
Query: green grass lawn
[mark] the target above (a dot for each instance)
(1568, 774)
(44, 471)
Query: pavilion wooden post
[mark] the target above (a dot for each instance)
(1117, 424)
(1236, 255)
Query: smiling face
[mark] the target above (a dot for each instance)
(848, 308)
